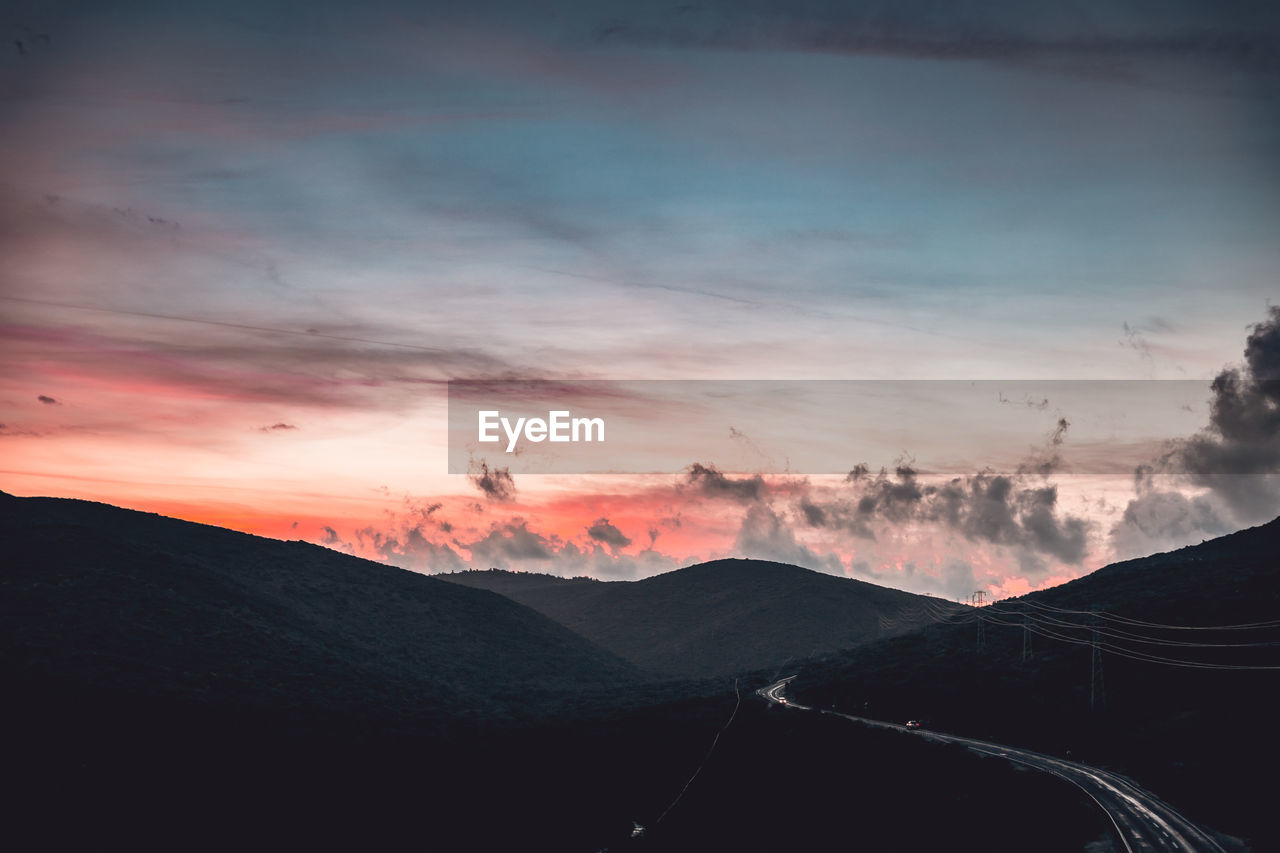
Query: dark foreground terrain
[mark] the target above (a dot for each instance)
(173, 685)
(89, 769)
(1197, 729)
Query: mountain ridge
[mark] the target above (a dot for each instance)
(710, 619)
(1176, 709)
(105, 596)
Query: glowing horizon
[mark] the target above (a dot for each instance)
(246, 250)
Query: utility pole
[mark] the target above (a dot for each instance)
(1026, 639)
(977, 600)
(1097, 691)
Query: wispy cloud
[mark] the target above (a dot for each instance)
(496, 484)
(602, 531)
(707, 480)
(995, 32)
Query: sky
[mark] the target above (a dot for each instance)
(246, 247)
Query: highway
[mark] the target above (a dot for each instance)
(1141, 821)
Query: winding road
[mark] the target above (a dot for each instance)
(1141, 821)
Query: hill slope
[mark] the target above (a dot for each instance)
(1189, 727)
(101, 597)
(712, 619)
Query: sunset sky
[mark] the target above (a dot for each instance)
(246, 245)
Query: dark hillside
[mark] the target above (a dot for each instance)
(1191, 727)
(96, 596)
(712, 619)
(515, 584)
(176, 685)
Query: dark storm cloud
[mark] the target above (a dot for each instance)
(1235, 459)
(497, 484)
(511, 541)
(1059, 433)
(1160, 517)
(601, 530)
(858, 472)
(1003, 511)
(764, 534)
(1045, 461)
(896, 499)
(426, 513)
(814, 515)
(410, 549)
(955, 578)
(996, 509)
(1063, 538)
(1244, 415)
(709, 480)
(1237, 456)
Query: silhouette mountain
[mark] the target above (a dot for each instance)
(168, 680)
(136, 603)
(1181, 707)
(712, 619)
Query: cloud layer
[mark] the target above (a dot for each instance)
(1228, 474)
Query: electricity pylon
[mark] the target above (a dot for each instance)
(1097, 688)
(976, 600)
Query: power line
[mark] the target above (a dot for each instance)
(1143, 656)
(1104, 632)
(1097, 691)
(1121, 634)
(1114, 617)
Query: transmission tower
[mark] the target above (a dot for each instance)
(977, 600)
(1097, 689)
